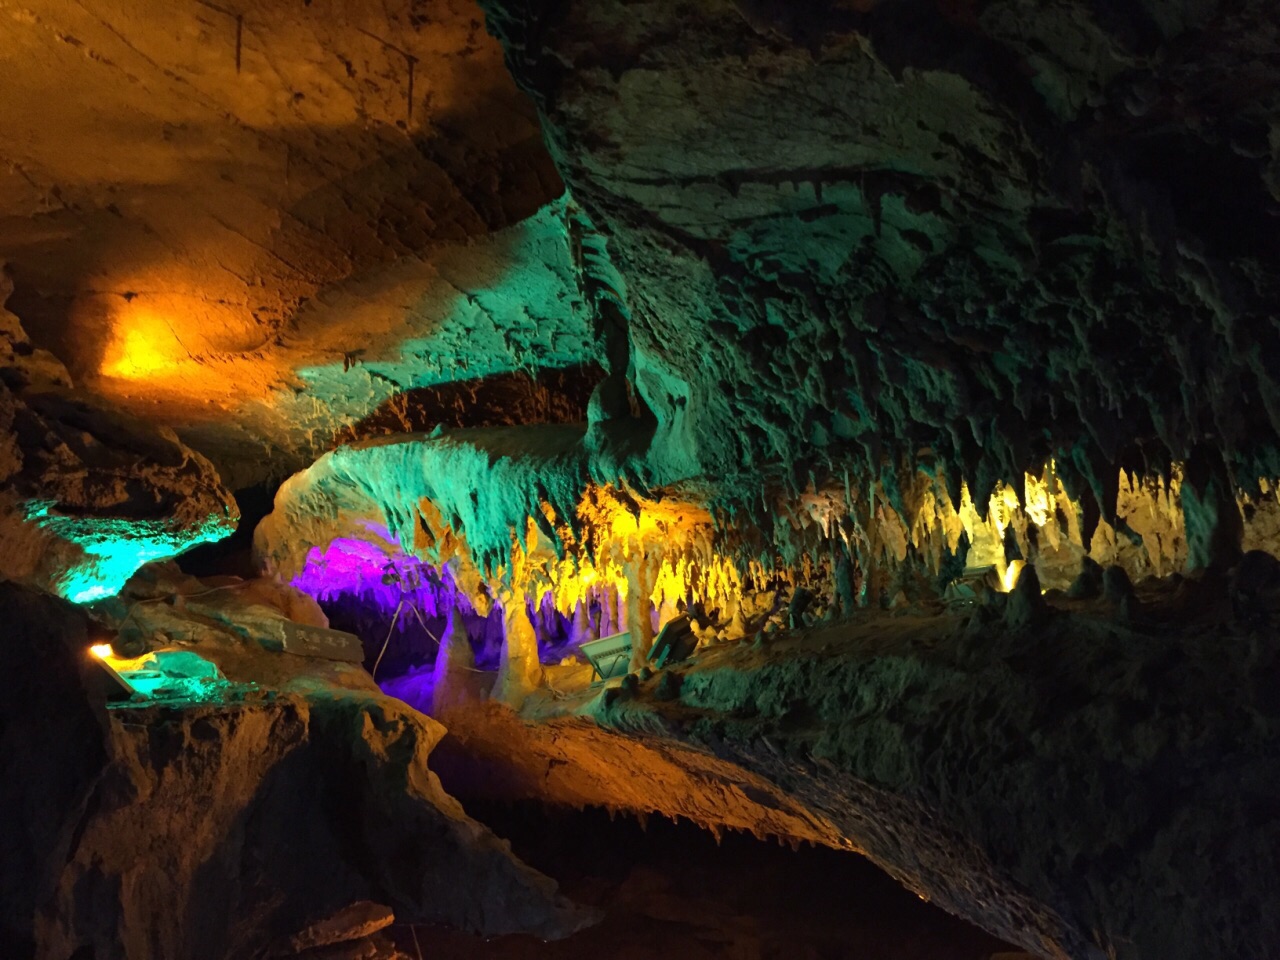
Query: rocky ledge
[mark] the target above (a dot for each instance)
(274, 821)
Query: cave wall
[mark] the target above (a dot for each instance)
(1081, 787)
(234, 824)
(89, 493)
(1001, 234)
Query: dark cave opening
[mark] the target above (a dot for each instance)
(233, 556)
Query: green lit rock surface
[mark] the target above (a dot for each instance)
(218, 830)
(487, 330)
(1075, 786)
(90, 496)
(483, 484)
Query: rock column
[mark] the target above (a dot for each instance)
(519, 671)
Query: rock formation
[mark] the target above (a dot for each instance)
(88, 494)
(920, 356)
(259, 227)
(1081, 788)
(220, 829)
(867, 230)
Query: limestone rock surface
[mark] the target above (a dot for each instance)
(88, 493)
(1082, 787)
(260, 226)
(869, 234)
(218, 830)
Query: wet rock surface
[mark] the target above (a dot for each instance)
(220, 830)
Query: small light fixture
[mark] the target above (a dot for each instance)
(114, 687)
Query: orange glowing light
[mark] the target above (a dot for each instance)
(105, 653)
(173, 351)
(144, 345)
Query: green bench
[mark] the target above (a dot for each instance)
(609, 656)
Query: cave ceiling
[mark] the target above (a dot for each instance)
(981, 235)
(258, 224)
(856, 236)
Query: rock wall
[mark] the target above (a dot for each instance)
(89, 494)
(1083, 792)
(1084, 788)
(218, 830)
(871, 235)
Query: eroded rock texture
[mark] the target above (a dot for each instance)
(463, 493)
(1082, 788)
(811, 248)
(222, 829)
(87, 493)
(977, 235)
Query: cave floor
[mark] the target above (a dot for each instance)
(670, 890)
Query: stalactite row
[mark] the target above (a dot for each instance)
(855, 546)
(927, 523)
(527, 538)
(1159, 525)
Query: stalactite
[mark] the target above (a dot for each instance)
(630, 561)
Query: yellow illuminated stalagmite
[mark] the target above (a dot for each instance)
(519, 671)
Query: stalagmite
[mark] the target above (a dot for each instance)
(666, 612)
(639, 623)
(1026, 606)
(519, 672)
(1211, 514)
(454, 663)
(611, 619)
(581, 629)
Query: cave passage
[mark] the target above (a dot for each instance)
(838, 438)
